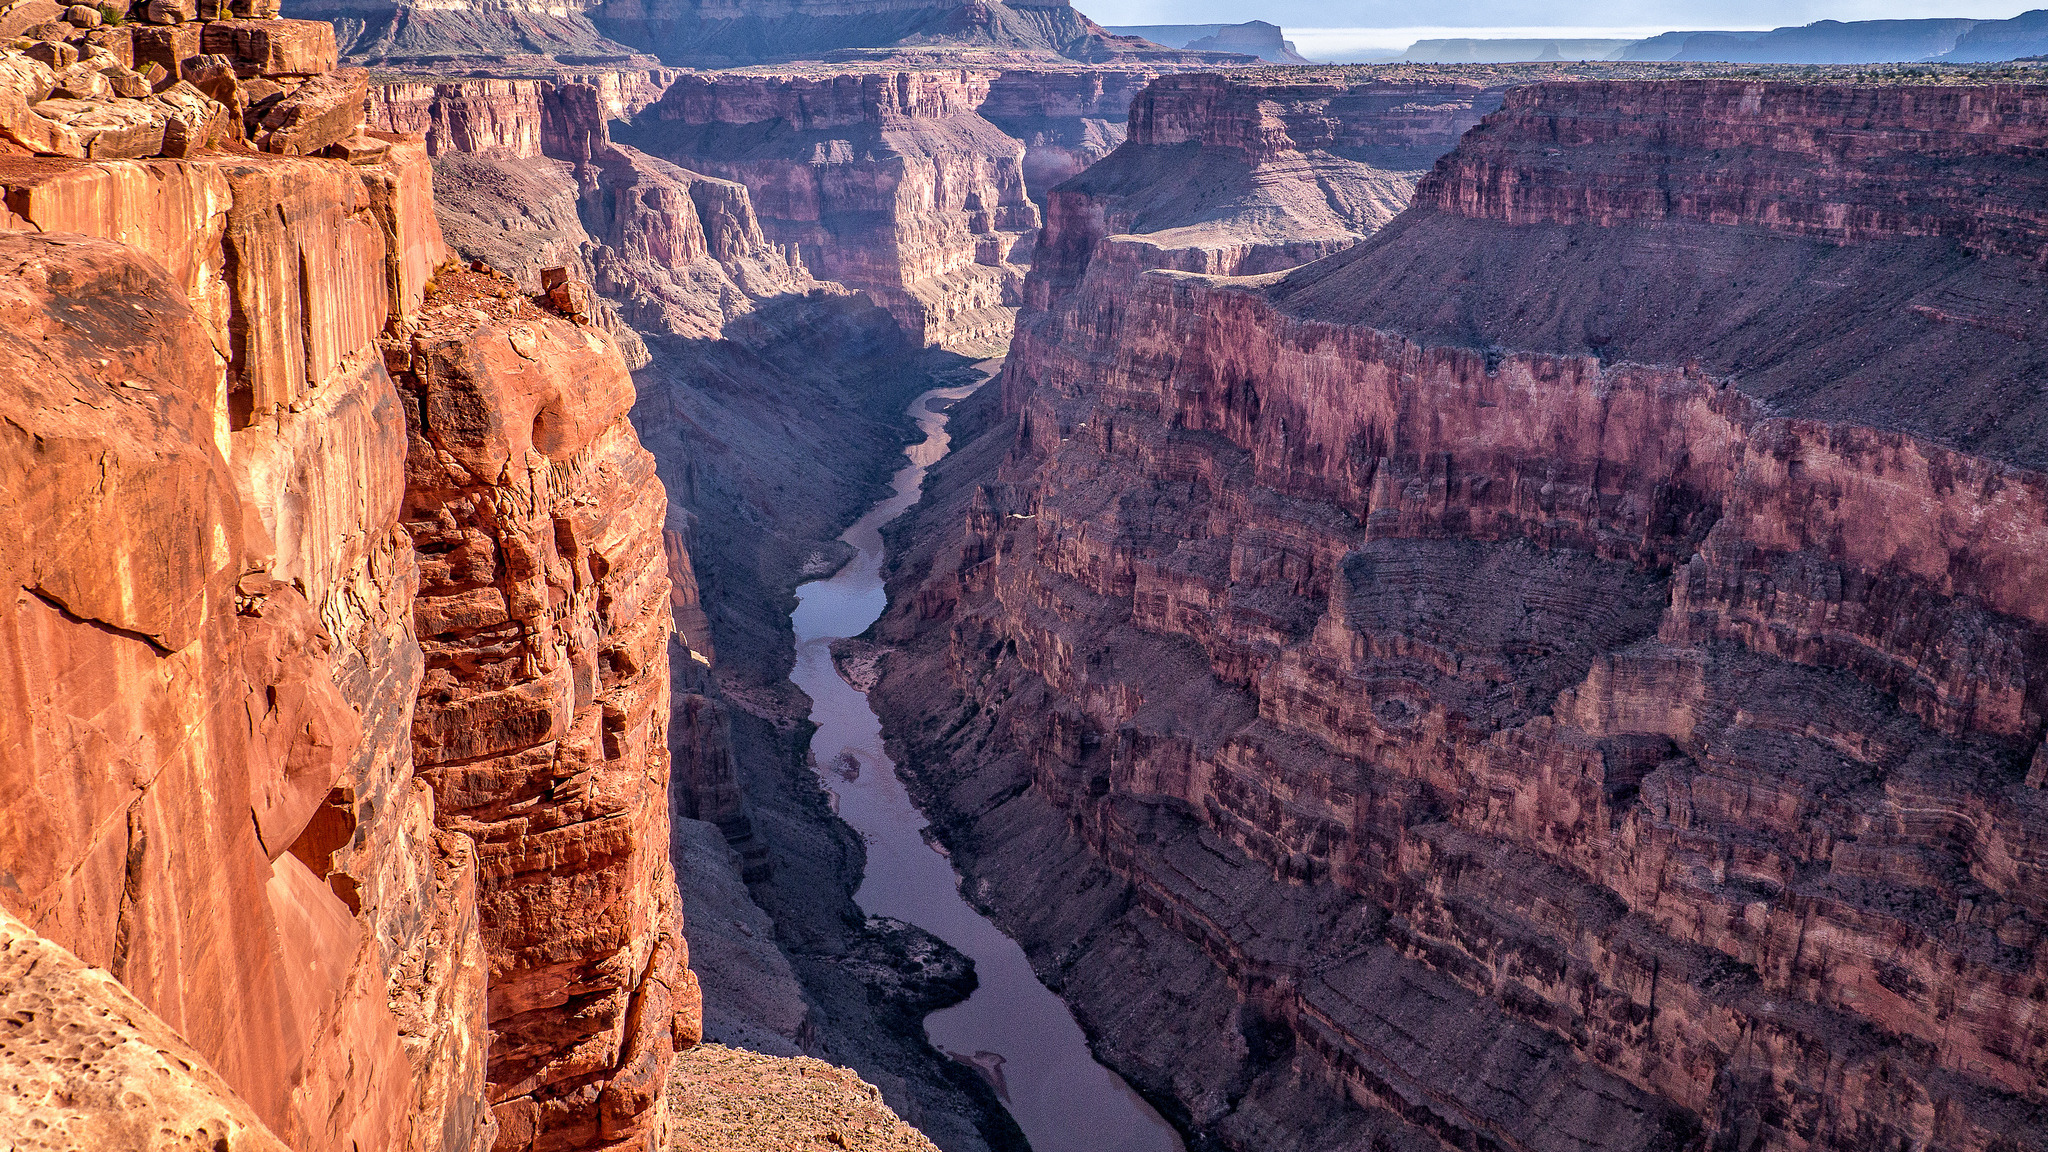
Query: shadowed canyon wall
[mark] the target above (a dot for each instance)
(1565, 672)
(337, 669)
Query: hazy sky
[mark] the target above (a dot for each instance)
(1630, 14)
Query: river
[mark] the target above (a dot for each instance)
(1016, 1031)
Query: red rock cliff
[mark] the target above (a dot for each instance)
(224, 744)
(1573, 667)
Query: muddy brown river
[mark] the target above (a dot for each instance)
(1020, 1035)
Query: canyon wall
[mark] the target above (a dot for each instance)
(1566, 672)
(337, 662)
(915, 186)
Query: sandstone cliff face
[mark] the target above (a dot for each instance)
(222, 771)
(1558, 669)
(241, 601)
(542, 724)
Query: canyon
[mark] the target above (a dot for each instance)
(1562, 672)
(1487, 607)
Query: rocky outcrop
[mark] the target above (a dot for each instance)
(249, 557)
(1481, 698)
(725, 1095)
(1254, 37)
(530, 179)
(234, 785)
(1228, 176)
(543, 614)
(77, 1046)
(512, 118)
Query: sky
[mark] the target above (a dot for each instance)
(1618, 18)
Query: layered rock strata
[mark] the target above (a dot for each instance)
(1234, 177)
(883, 181)
(235, 785)
(914, 186)
(1565, 672)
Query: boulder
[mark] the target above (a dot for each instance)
(26, 76)
(20, 18)
(167, 47)
(126, 81)
(57, 54)
(118, 43)
(83, 16)
(212, 74)
(113, 130)
(325, 110)
(275, 47)
(195, 121)
(82, 81)
(360, 149)
(22, 125)
(171, 11)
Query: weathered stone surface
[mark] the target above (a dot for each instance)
(274, 47)
(88, 1066)
(1545, 722)
(169, 47)
(324, 110)
(227, 658)
(544, 615)
(23, 16)
(247, 953)
(730, 1100)
(170, 11)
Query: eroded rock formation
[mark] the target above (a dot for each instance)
(355, 896)
(1565, 672)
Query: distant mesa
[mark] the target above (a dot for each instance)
(1946, 41)
(1476, 51)
(724, 33)
(1255, 37)
(1858, 42)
